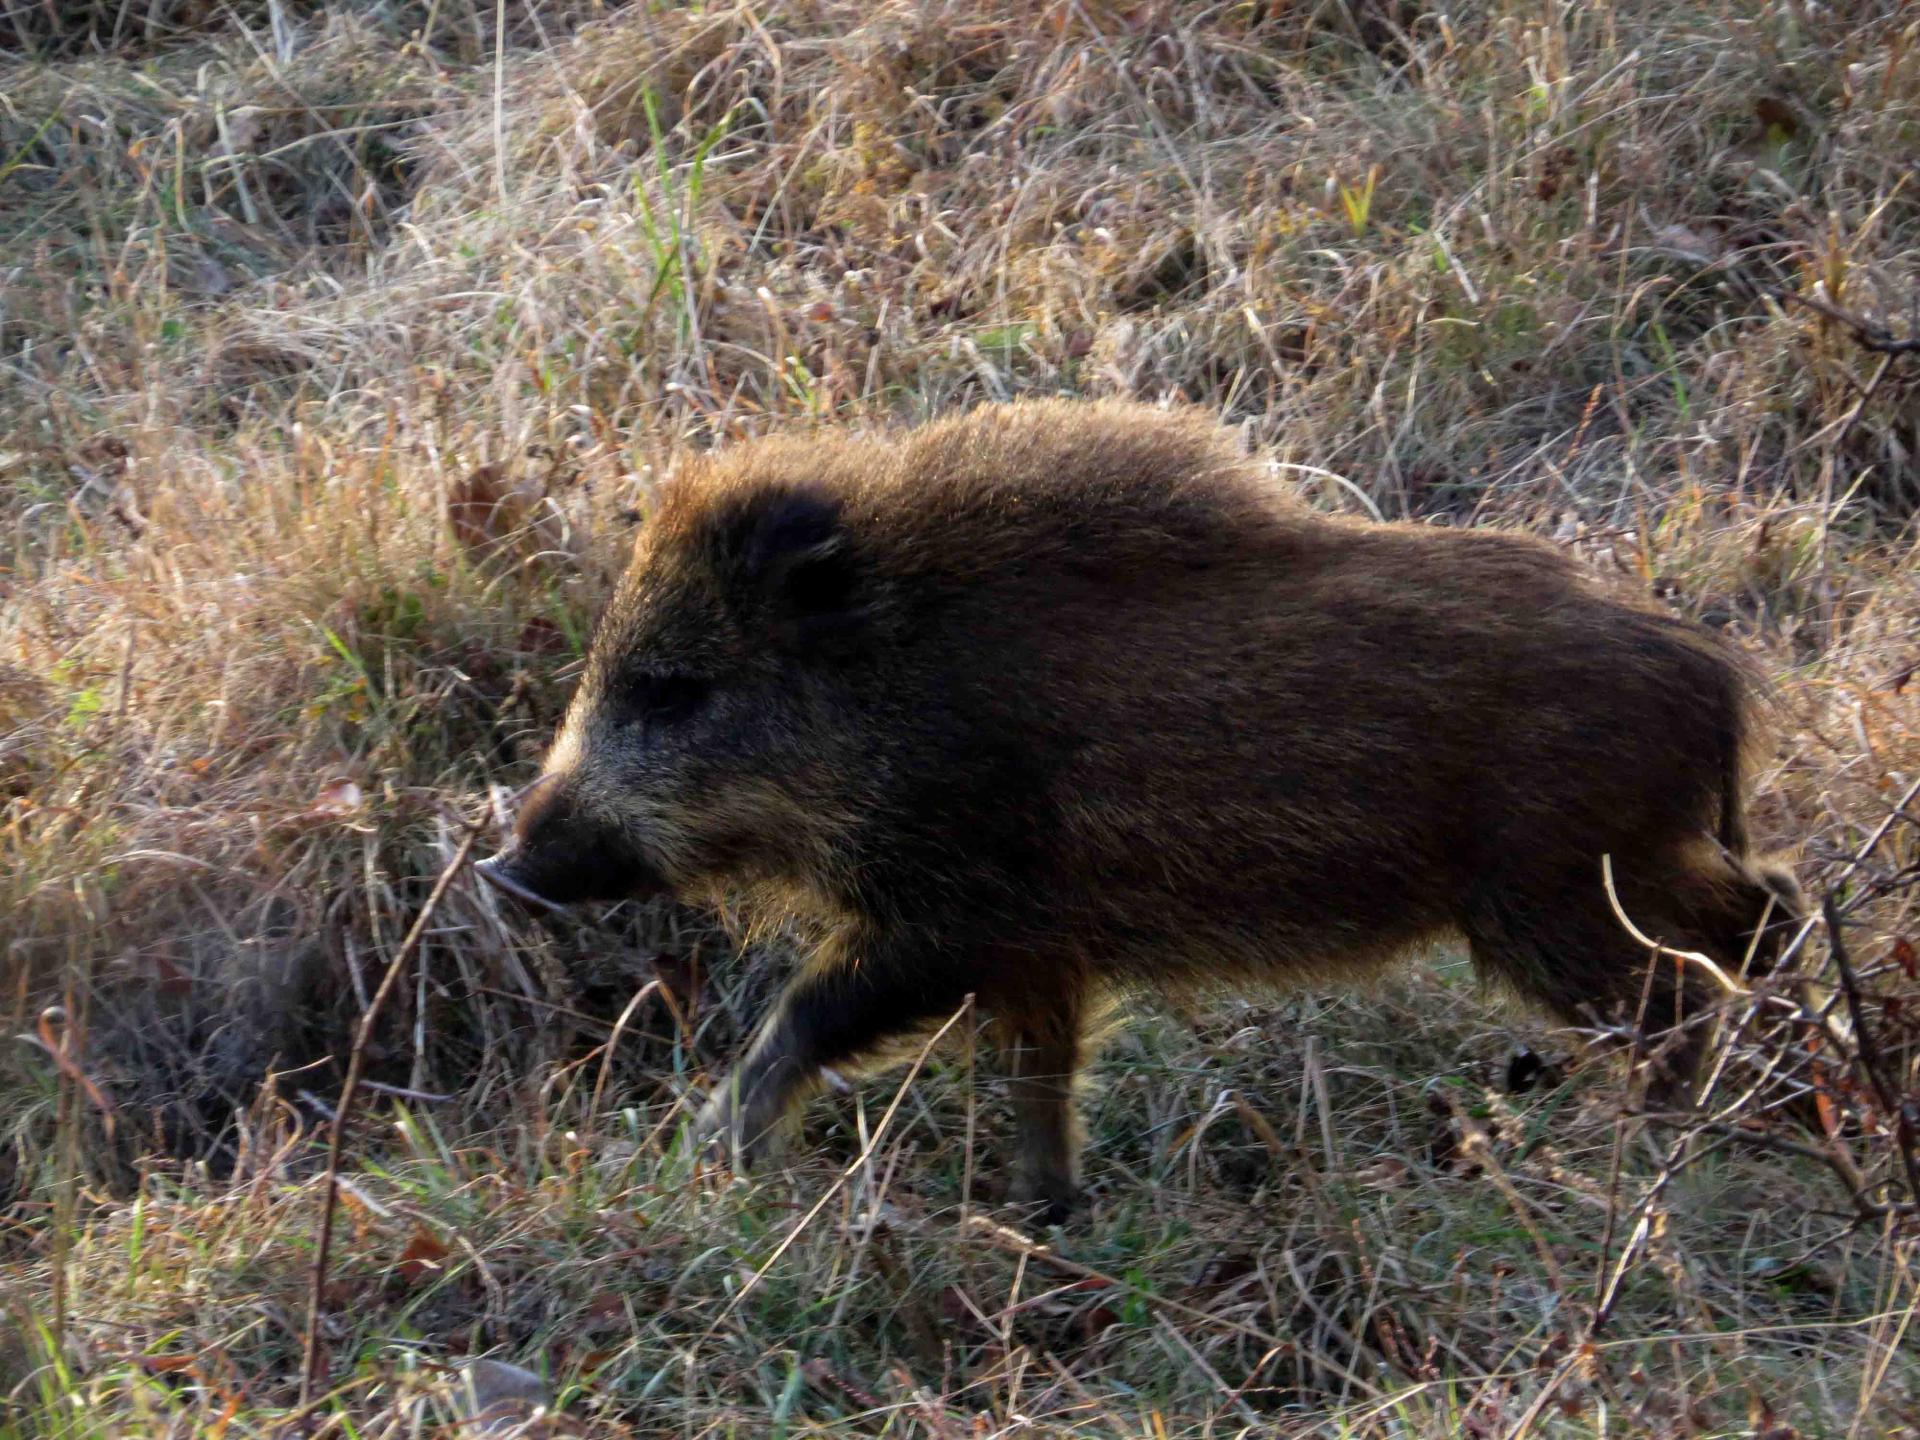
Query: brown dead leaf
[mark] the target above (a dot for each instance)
(485, 509)
(679, 977)
(1096, 1322)
(339, 1295)
(1765, 1424)
(354, 1205)
(1829, 1116)
(1388, 1174)
(1778, 122)
(172, 979)
(1687, 243)
(422, 1257)
(168, 1364)
(604, 1307)
(336, 799)
(540, 636)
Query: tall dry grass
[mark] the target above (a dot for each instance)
(340, 346)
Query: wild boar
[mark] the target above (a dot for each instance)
(1055, 702)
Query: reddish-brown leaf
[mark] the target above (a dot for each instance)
(173, 980)
(168, 1364)
(1097, 1321)
(540, 636)
(1829, 1116)
(343, 1294)
(605, 1306)
(422, 1257)
(1765, 1424)
(484, 508)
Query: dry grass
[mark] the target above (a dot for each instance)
(339, 345)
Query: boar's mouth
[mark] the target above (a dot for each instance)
(516, 872)
(556, 859)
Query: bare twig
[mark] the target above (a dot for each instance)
(1871, 336)
(356, 1060)
(1869, 1050)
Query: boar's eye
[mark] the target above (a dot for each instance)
(664, 699)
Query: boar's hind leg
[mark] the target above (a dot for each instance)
(829, 1018)
(1045, 1052)
(1558, 941)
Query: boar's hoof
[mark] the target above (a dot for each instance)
(1048, 1199)
(731, 1132)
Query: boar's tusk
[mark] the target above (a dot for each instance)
(493, 870)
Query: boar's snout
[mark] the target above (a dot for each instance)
(558, 857)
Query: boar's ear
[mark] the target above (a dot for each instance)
(791, 552)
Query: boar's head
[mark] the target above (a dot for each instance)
(715, 739)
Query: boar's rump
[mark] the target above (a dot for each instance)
(1052, 701)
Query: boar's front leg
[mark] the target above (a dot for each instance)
(825, 1019)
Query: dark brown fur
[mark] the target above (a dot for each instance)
(1054, 701)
